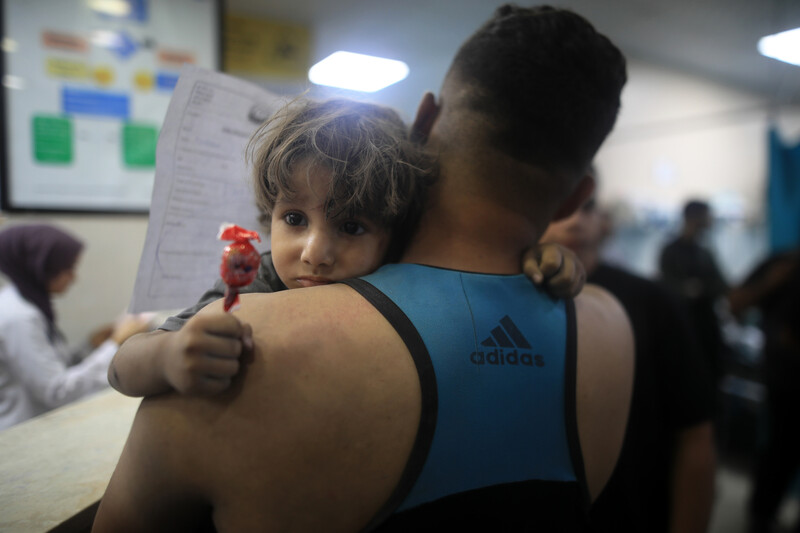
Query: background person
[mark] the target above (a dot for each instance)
(689, 270)
(38, 371)
(773, 288)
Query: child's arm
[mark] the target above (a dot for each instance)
(555, 267)
(200, 358)
(189, 354)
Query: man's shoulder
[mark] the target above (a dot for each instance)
(330, 397)
(603, 324)
(605, 358)
(672, 242)
(299, 308)
(674, 245)
(605, 333)
(594, 298)
(316, 327)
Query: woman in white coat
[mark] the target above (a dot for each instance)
(38, 372)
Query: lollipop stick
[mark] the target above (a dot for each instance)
(231, 298)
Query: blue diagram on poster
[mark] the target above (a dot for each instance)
(118, 42)
(166, 80)
(98, 103)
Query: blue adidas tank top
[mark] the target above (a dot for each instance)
(496, 362)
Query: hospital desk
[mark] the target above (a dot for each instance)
(54, 468)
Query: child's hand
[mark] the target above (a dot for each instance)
(555, 267)
(206, 353)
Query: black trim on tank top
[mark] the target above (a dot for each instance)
(570, 407)
(430, 397)
(525, 506)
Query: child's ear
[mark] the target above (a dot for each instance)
(427, 112)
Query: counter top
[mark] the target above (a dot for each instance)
(55, 468)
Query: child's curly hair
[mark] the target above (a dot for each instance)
(378, 172)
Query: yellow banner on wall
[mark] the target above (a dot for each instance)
(62, 68)
(263, 47)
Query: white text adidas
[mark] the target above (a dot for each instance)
(498, 357)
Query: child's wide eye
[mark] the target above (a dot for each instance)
(294, 219)
(351, 227)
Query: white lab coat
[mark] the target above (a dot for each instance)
(37, 375)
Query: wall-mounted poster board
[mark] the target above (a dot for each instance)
(86, 85)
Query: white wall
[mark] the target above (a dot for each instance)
(677, 136)
(680, 137)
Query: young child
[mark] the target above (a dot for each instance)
(340, 186)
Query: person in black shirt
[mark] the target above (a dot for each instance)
(774, 288)
(690, 271)
(664, 479)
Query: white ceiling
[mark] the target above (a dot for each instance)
(712, 38)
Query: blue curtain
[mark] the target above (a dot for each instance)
(783, 194)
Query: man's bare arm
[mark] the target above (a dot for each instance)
(150, 490)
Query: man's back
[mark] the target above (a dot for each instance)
(317, 433)
(496, 362)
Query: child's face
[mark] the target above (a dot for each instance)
(308, 249)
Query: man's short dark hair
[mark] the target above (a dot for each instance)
(547, 81)
(695, 209)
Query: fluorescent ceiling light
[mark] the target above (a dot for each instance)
(115, 8)
(783, 46)
(357, 72)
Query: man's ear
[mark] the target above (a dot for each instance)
(579, 195)
(427, 112)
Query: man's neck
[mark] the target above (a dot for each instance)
(464, 232)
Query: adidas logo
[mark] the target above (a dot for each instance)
(506, 346)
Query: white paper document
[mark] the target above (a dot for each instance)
(201, 181)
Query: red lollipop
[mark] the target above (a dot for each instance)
(240, 261)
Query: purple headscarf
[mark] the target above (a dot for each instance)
(31, 255)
